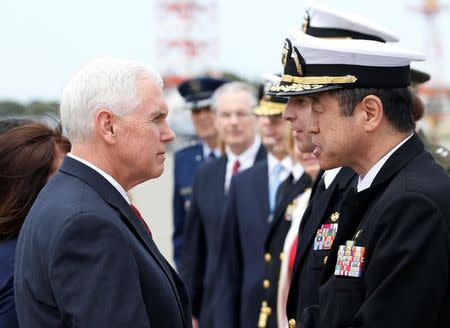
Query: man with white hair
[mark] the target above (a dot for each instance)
(85, 257)
(233, 103)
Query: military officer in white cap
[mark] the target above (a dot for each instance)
(331, 186)
(389, 262)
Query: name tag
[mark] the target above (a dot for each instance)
(350, 260)
(325, 236)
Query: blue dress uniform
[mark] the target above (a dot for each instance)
(197, 93)
(187, 160)
(273, 248)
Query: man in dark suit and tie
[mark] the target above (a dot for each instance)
(85, 257)
(197, 93)
(233, 103)
(251, 206)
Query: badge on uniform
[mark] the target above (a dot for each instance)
(350, 260)
(290, 209)
(325, 236)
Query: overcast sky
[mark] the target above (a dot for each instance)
(44, 42)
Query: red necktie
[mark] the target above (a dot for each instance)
(236, 166)
(139, 216)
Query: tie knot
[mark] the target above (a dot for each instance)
(277, 169)
(211, 155)
(139, 216)
(236, 166)
(136, 211)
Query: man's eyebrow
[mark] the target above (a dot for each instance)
(159, 114)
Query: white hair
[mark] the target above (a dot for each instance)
(235, 87)
(106, 83)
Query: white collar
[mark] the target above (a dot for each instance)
(366, 181)
(207, 150)
(286, 163)
(297, 171)
(110, 179)
(329, 176)
(247, 156)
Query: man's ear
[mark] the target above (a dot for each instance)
(372, 112)
(105, 125)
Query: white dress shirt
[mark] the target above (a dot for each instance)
(329, 176)
(246, 159)
(110, 179)
(366, 181)
(207, 150)
(286, 163)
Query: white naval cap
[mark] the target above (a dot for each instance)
(322, 21)
(314, 64)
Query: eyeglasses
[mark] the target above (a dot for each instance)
(240, 114)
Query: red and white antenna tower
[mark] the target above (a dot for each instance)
(187, 38)
(435, 91)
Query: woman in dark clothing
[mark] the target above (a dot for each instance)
(29, 155)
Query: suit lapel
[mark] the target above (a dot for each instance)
(357, 205)
(112, 196)
(219, 184)
(261, 187)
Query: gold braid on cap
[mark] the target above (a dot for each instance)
(319, 79)
(269, 108)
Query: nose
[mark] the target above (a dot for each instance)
(311, 125)
(289, 113)
(167, 135)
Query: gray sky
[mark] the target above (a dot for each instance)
(44, 42)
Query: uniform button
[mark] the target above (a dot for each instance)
(267, 257)
(292, 323)
(266, 283)
(281, 256)
(325, 259)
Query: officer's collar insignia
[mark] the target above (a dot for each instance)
(334, 217)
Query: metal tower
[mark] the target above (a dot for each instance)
(434, 92)
(187, 38)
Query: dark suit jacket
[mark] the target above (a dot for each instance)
(403, 223)
(273, 246)
(245, 227)
(202, 231)
(8, 317)
(84, 259)
(186, 162)
(308, 266)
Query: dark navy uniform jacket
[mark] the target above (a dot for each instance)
(84, 259)
(273, 249)
(186, 162)
(309, 263)
(402, 221)
(202, 237)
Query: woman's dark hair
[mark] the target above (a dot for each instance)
(27, 160)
